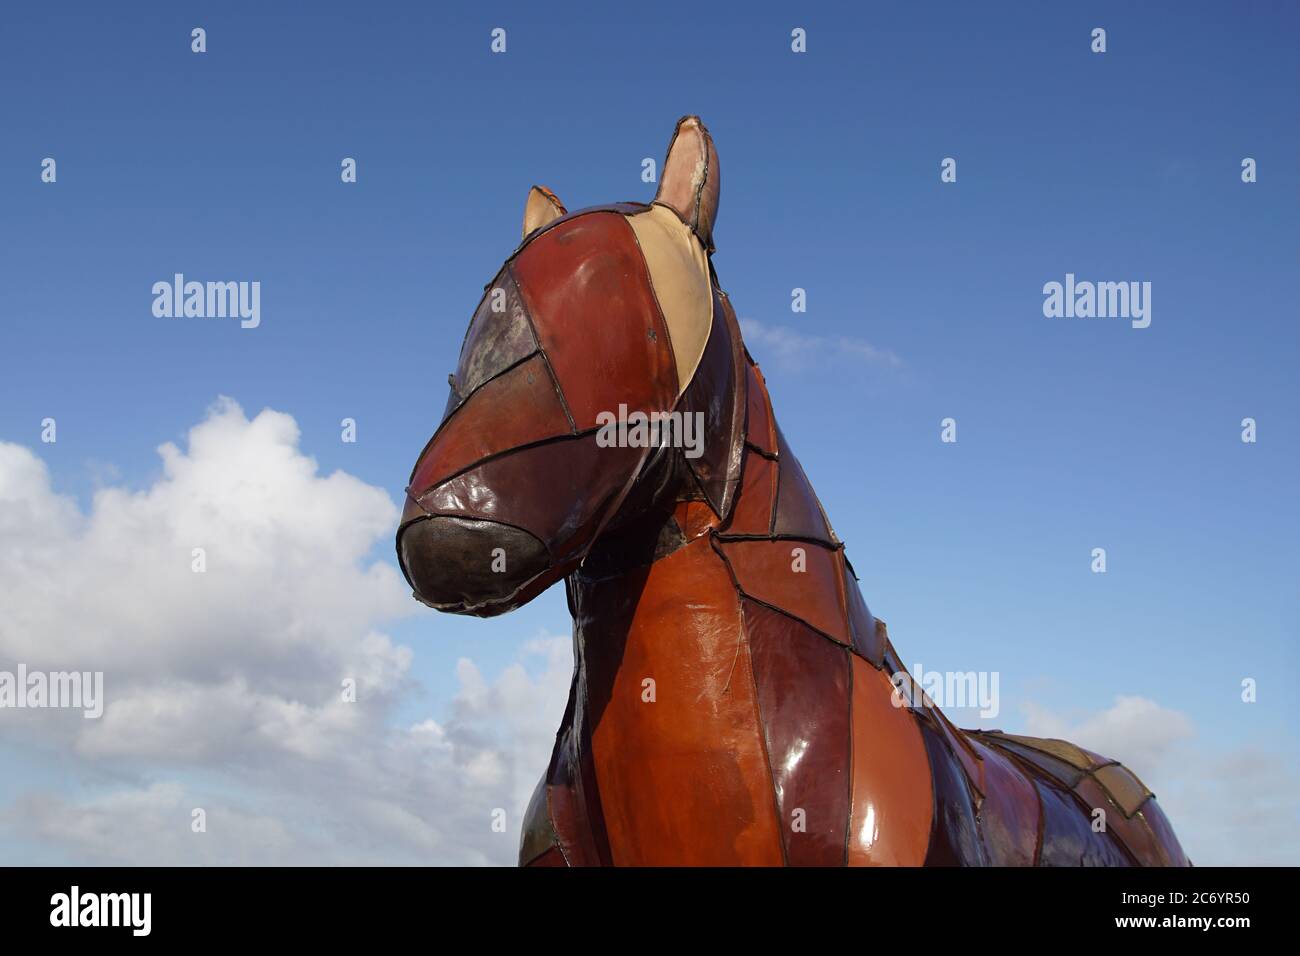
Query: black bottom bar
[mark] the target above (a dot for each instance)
(549, 906)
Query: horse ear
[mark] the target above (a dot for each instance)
(691, 179)
(542, 207)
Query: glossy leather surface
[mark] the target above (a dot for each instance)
(766, 570)
(1009, 813)
(1067, 836)
(715, 394)
(798, 512)
(499, 335)
(1130, 827)
(752, 514)
(892, 792)
(699, 791)
(804, 687)
(520, 406)
(585, 285)
(955, 839)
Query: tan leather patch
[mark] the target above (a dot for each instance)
(679, 275)
(1127, 790)
(1061, 749)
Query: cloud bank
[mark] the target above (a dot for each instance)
(225, 688)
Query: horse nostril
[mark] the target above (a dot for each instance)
(467, 565)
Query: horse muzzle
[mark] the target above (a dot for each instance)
(468, 565)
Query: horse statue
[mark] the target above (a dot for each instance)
(734, 701)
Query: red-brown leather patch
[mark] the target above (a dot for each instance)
(893, 806)
(589, 295)
(517, 408)
(766, 571)
(1009, 813)
(760, 429)
(752, 513)
(683, 775)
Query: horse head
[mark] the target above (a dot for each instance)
(608, 313)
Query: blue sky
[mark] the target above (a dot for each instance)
(1072, 434)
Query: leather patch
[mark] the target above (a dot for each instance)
(538, 834)
(867, 638)
(683, 286)
(766, 571)
(1155, 818)
(683, 779)
(560, 491)
(1068, 838)
(760, 427)
(752, 512)
(892, 807)
(955, 839)
(803, 696)
(1009, 813)
(717, 391)
(1133, 832)
(588, 293)
(798, 512)
(517, 408)
(499, 335)
(1124, 788)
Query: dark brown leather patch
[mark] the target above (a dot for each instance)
(717, 390)
(760, 429)
(1068, 839)
(802, 683)
(560, 491)
(867, 639)
(1009, 813)
(1164, 833)
(955, 839)
(798, 512)
(499, 335)
(537, 834)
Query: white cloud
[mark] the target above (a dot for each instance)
(795, 349)
(224, 689)
(1134, 730)
(1232, 807)
(151, 825)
